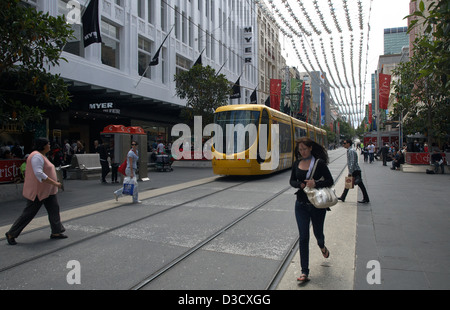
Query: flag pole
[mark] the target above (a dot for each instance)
(143, 74)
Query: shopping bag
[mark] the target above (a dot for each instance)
(128, 186)
(123, 167)
(349, 182)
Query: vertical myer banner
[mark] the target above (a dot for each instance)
(385, 89)
(91, 24)
(370, 113)
(248, 44)
(275, 94)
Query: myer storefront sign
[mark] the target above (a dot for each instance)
(106, 107)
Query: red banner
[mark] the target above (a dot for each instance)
(10, 170)
(302, 98)
(370, 113)
(385, 89)
(275, 94)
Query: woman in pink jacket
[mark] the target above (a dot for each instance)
(40, 188)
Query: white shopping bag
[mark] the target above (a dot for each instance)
(129, 185)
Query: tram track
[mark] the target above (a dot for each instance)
(109, 230)
(180, 258)
(279, 271)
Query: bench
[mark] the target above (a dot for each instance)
(85, 166)
(422, 168)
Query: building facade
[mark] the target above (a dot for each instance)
(395, 39)
(111, 82)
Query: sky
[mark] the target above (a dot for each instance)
(383, 14)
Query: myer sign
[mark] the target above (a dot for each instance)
(107, 107)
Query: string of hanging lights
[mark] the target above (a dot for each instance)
(314, 23)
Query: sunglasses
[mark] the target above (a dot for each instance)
(133, 144)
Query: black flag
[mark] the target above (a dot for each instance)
(253, 97)
(198, 61)
(236, 89)
(91, 25)
(267, 103)
(155, 59)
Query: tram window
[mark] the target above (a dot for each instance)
(285, 138)
(234, 143)
(299, 133)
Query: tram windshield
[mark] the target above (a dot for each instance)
(237, 129)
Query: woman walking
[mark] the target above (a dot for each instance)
(308, 152)
(130, 171)
(40, 188)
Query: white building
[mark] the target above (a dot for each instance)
(105, 78)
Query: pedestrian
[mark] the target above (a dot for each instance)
(354, 171)
(101, 150)
(130, 171)
(68, 153)
(371, 149)
(437, 161)
(40, 188)
(384, 151)
(307, 153)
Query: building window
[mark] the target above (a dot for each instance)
(163, 16)
(110, 45)
(144, 57)
(182, 64)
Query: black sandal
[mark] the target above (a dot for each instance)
(11, 240)
(325, 253)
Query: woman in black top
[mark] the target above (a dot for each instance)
(307, 152)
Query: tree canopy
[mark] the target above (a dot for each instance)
(31, 43)
(205, 91)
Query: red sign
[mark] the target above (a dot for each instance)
(10, 170)
(385, 89)
(275, 94)
(115, 129)
(419, 158)
(136, 130)
(370, 113)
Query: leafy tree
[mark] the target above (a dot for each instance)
(422, 87)
(31, 42)
(204, 90)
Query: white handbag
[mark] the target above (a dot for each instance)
(321, 198)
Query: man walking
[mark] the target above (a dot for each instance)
(100, 149)
(355, 171)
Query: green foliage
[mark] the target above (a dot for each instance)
(204, 90)
(31, 43)
(423, 82)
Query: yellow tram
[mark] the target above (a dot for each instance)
(247, 144)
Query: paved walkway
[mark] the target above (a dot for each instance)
(397, 241)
